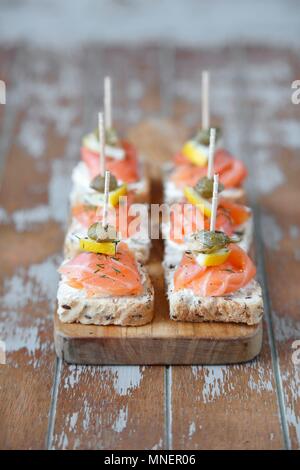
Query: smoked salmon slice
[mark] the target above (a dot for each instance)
(86, 215)
(102, 275)
(187, 219)
(239, 214)
(231, 171)
(125, 170)
(235, 273)
(117, 216)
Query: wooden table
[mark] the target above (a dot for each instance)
(52, 99)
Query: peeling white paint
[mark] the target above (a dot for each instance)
(28, 286)
(23, 337)
(286, 328)
(220, 381)
(45, 103)
(294, 232)
(49, 106)
(293, 420)
(58, 23)
(271, 231)
(21, 333)
(266, 165)
(135, 89)
(87, 411)
(32, 138)
(214, 382)
(4, 218)
(192, 429)
(73, 421)
(263, 381)
(57, 208)
(37, 283)
(63, 441)
(121, 421)
(125, 378)
(24, 219)
(214, 378)
(58, 192)
(73, 376)
(288, 133)
(158, 445)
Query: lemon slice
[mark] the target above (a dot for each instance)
(106, 248)
(194, 198)
(115, 195)
(195, 153)
(213, 259)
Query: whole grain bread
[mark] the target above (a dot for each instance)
(75, 307)
(244, 306)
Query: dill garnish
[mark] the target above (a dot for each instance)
(116, 270)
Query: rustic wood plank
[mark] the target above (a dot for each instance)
(7, 111)
(275, 149)
(122, 416)
(247, 389)
(109, 408)
(225, 407)
(46, 92)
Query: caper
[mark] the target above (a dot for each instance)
(111, 136)
(98, 183)
(202, 136)
(99, 233)
(206, 241)
(205, 187)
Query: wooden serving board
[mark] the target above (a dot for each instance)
(163, 341)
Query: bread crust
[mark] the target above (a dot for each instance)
(75, 307)
(244, 306)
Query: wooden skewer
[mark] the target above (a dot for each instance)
(101, 143)
(107, 103)
(205, 99)
(211, 153)
(214, 207)
(106, 197)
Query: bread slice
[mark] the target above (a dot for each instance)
(173, 194)
(139, 245)
(81, 191)
(75, 307)
(174, 251)
(244, 306)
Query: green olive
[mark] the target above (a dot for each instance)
(206, 241)
(99, 233)
(205, 187)
(202, 136)
(98, 183)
